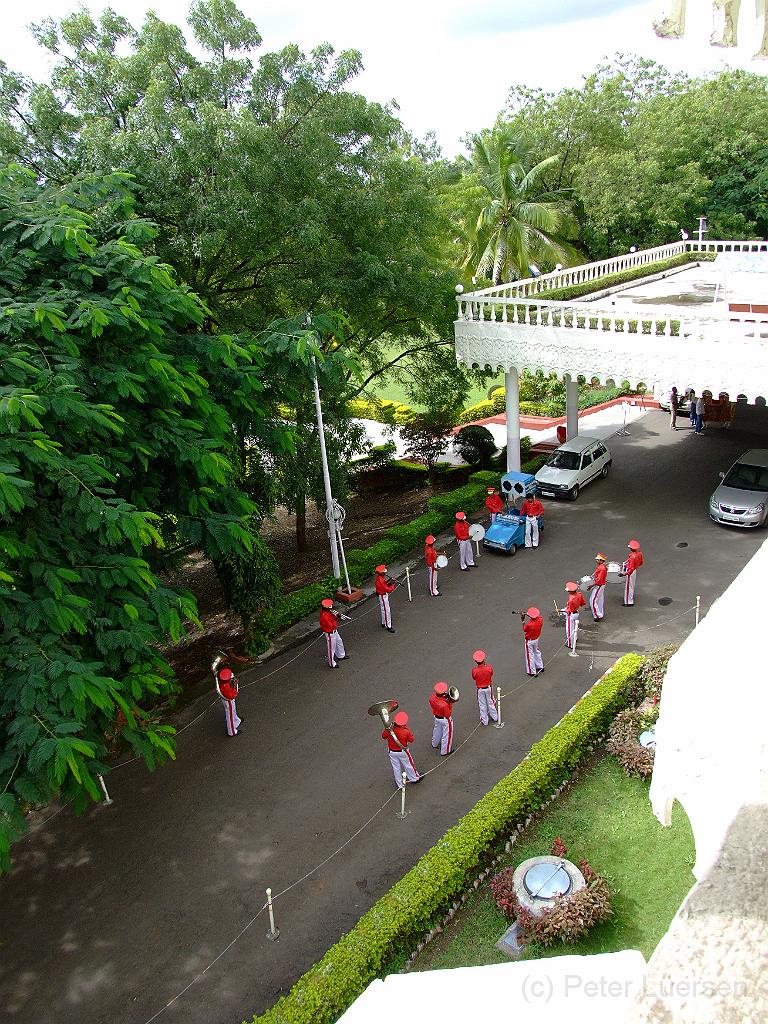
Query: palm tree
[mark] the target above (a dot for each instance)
(520, 222)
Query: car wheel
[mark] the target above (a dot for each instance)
(574, 492)
(511, 549)
(604, 470)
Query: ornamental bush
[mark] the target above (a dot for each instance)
(422, 897)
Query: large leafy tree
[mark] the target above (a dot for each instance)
(114, 449)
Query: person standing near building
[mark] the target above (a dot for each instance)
(461, 531)
(674, 405)
(442, 709)
(534, 663)
(532, 509)
(692, 408)
(597, 588)
(632, 564)
(700, 409)
(494, 504)
(384, 588)
(329, 624)
(430, 557)
(398, 738)
(575, 601)
(482, 674)
(228, 689)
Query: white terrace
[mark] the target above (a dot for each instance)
(702, 325)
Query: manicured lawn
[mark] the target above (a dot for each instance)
(606, 818)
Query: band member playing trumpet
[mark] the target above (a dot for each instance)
(532, 509)
(597, 588)
(534, 663)
(461, 532)
(575, 601)
(384, 587)
(493, 503)
(228, 688)
(442, 709)
(329, 623)
(632, 564)
(398, 738)
(482, 674)
(430, 557)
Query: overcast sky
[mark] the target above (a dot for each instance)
(448, 65)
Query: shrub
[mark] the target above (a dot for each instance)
(394, 924)
(381, 410)
(558, 848)
(611, 280)
(475, 445)
(624, 743)
(653, 671)
(480, 411)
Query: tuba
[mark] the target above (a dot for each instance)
(453, 694)
(385, 709)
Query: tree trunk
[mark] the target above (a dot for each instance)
(301, 522)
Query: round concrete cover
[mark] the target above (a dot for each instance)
(545, 881)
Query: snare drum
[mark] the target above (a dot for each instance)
(442, 562)
(614, 572)
(585, 583)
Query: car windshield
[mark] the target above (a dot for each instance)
(748, 478)
(563, 460)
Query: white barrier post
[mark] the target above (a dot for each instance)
(274, 933)
(698, 608)
(499, 724)
(408, 582)
(477, 549)
(107, 798)
(402, 813)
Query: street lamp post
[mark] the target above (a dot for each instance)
(326, 475)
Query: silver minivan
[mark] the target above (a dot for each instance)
(573, 465)
(742, 497)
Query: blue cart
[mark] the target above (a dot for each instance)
(507, 533)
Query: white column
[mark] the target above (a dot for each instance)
(571, 407)
(512, 388)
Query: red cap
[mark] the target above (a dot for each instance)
(600, 557)
(461, 515)
(225, 675)
(380, 568)
(429, 540)
(326, 603)
(571, 587)
(634, 545)
(478, 656)
(401, 718)
(491, 490)
(533, 613)
(441, 688)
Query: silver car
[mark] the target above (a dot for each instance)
(742, 497)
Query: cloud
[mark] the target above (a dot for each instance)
(492, 16)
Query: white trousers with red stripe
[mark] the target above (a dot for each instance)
(629, 588)
(493, 517)
(533, 660)
(531, 531)
(402, 761)
(465, 554)
(231, 717)
(597, 601)
(386, 614)
(571, 629)
(433, 581)
(487, 705)
(442, 735)
(334, 647)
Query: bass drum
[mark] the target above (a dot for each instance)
(614, 570)
(585, 583)
(442, 561)
(476, 531)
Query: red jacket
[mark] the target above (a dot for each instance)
(600, 574)
(461, 529)
(494, 503)
(532, 507)
(430, 556)
(382, 586)
(441, 706)
(329, 622)
(403, 733)
(634, 562)
(576, 601)
(532, 628)
(228, 690)
(483, 675)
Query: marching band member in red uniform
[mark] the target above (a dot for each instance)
(597, 588)
(384, 588)
(430, 557)
(461, 530)
(534, 663)
(494, 504)
(329, 623)
(482, 674)
(531, 509)
(398, 739)
(632, 564)
(442, 709)
(228, 690)
(575, 601)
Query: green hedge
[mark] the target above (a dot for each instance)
(576, 291)
(414, 904)
(380, 409)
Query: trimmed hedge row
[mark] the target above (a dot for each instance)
(380, 409)
(415, 903)
(576, 291)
